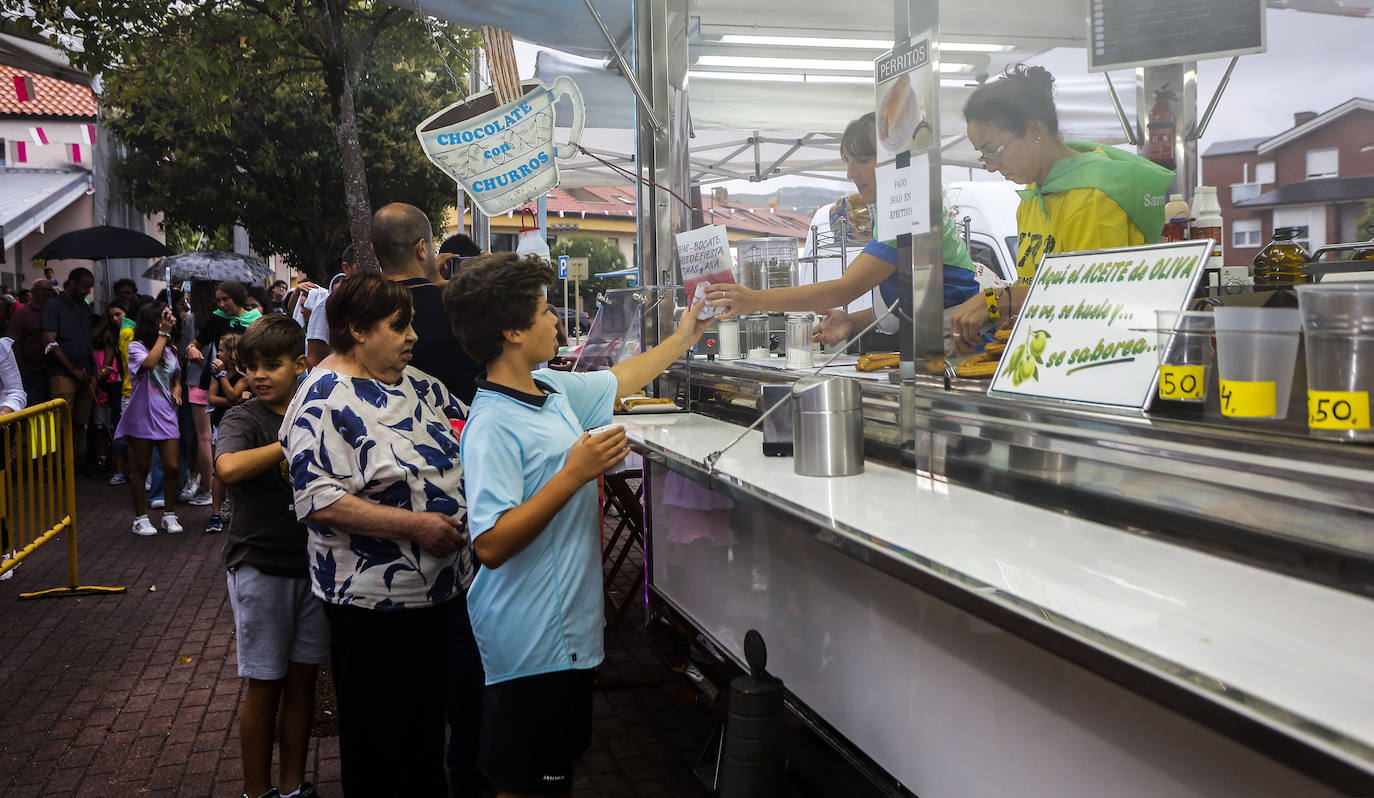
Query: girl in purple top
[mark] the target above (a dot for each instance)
(151, 418)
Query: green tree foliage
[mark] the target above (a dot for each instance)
(1364, 228)
(271, 113)
(602, 256)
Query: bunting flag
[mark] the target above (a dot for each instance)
(21, 152)
(74, 153)
(88, 134)
(23, 88)
(38, 136)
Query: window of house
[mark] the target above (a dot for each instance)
(4, 152)
(1322, 163)
(1264, 172)
(1244, 191)
(1245, 233)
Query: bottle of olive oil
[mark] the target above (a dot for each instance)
(1281, 262)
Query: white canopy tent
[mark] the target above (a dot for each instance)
(776, 119)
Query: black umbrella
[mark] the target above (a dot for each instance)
(96, 243)
(211, 264)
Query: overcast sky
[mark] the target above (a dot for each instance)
(1313, 62)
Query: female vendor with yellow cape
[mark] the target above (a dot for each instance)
(1078, 196)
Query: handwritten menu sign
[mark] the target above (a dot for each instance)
(1085, 333)
(704, 257)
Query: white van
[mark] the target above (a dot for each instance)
(986, 209)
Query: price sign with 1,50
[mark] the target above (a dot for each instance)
(1338, 410)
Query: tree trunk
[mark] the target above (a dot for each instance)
(356, 199)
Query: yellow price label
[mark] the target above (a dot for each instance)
(1338, 410)
(1248, 399)
(1181, 382)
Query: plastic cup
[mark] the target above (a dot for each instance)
(1338, 324)
(1186, 356)
(1257, 349)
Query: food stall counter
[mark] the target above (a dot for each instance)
(1266, 668)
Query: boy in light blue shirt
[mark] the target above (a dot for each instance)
(530, 470)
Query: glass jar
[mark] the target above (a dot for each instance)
(727, 332)
(1281, 261)
(799, 346)
(755, 335)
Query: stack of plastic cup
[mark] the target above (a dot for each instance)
(1186, 356)
(1257, 349)
(1338, 325)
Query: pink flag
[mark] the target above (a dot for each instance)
(88, 134)
(74, 152)
(23, 88)
(38, 136)
(21, 154)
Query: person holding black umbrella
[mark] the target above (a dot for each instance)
(67, 324)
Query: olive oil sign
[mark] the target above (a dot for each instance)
(1085, 333)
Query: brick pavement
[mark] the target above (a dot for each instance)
(136, 694)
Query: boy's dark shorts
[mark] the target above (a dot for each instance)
(534, 729)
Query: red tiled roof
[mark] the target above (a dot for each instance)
(50, 97)
(616, 201)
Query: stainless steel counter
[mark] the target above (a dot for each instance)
(855, 580)
(1288, 503)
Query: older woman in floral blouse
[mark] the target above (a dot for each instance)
(375, 472)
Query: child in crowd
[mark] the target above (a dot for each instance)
(531, 469)
(283, 636)
(228, 388)
(150, 419)
(108, 380)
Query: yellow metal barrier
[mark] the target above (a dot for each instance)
(38, 489)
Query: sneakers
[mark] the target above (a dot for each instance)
(201, 499)
(158, 503)
(215, 525)
(272, 793)
(171, 524)
(119, 479)
(191, 489)
(143, 527)
(306, 790)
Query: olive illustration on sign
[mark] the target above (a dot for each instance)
(1039, 340)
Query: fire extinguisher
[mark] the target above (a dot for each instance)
(1162, 128)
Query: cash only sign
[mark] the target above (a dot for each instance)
(1086, 331)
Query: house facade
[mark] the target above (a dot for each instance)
(47, 147)
(1317, 175)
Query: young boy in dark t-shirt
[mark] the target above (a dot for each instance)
(283, 636)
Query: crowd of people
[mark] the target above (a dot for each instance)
(413, 496)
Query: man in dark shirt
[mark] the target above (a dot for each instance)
(404, 244)
(67, 322)
(26, 328)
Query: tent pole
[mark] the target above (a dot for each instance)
(644, 103)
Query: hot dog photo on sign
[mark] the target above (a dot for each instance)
(904, 98)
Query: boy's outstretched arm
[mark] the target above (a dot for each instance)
(640, 370)
(247, 463)
(520, 525)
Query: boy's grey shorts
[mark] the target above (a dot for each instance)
(277, 620)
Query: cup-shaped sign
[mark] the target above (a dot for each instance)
(503, 156)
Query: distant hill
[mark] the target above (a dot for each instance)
(806, 198)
